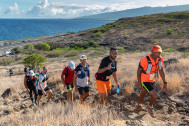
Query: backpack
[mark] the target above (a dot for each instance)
(149, 68)
(45, 78)
(82, 75)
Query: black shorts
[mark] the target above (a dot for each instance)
(40, 91)
(148, 86)
(70, 86)
(83, 90)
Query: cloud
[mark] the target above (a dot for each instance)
(62, 10)
(12, 9)
(59, 9)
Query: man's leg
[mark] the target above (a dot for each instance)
(141, 97)
(49, 95)
(152, 98)
(70, 95)
(85, 96)
(36, 94)
(38, 99)
(102, 98)
(31, 95)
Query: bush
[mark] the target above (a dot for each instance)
(17, 50)
(121, 49)
(6, 61)
(98, 34)
(42, 46)
(29, 47)
(71, 53)
(169, 31)
(85, 45)
(34, 60)
(169, 50)
(56, 53)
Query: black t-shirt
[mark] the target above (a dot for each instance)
(104, 63)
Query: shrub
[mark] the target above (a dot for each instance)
(6, 61)
(29, 47)
(121, 49)
(55, 53)
(45, 47)
(42, 46)
(17, 50)
(71, 53)
(34, 60)
(98, 34)
(169, 50)
(169, 31)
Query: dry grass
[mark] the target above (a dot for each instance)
(66, 115)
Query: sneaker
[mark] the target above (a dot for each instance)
(141, 108)
(36, 102)
(151, 112)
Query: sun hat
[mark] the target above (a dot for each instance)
(72, 65)
(82, 57)
(31, 73)
(157, 48)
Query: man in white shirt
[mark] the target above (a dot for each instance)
(42, 86)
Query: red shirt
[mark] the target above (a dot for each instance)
(69, 79)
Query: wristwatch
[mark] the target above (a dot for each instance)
(165, 82)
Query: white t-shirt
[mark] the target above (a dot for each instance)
(43, 84)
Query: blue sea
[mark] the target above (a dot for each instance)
(11, 29)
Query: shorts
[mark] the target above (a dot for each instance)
(148, 86)
(45, 89)
(70, 86)
(83, 90)
(103, 86)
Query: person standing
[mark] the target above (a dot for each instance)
(29, 83)
(67, 78)
(82, 79)
(108, 67)
(42, 85)
(148, 69)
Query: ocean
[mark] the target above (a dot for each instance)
(11, 29)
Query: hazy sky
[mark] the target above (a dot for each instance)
(73, 8)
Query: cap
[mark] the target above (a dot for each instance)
(82, 57)
(72, 65)
(45, 67)
(157, 48)
(31, 73)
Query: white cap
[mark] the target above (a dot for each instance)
(31, 73)
(72, 65)
(82, 57)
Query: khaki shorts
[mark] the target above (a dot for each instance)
(103, 86)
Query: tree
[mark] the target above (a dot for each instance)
(34, 60)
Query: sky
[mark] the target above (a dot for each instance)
(73, 8)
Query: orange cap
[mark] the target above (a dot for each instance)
(157, 48)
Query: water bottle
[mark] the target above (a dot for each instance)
(118, 89)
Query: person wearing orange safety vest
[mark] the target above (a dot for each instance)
(148, 69)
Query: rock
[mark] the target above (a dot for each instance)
(8, 92)
(158, 105)
(178, 104)
(6, 112)
(23, 106)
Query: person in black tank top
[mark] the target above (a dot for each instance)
(30, 85)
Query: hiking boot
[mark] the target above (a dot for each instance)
(141, 108)
(151, 112)
(36, 102)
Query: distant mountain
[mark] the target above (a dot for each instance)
(136, 12)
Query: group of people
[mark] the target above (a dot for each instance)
(78, 78)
